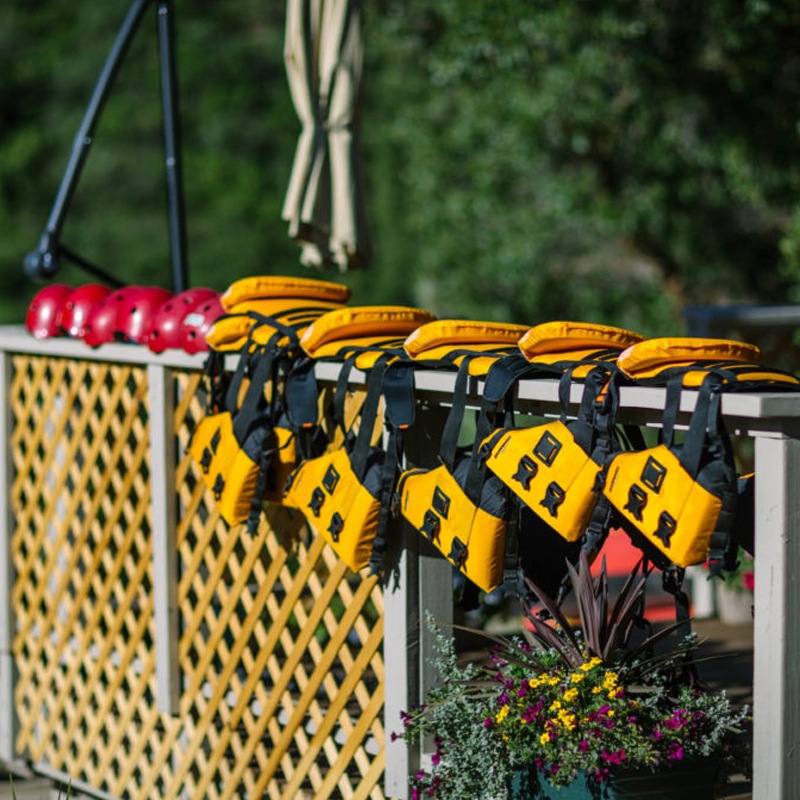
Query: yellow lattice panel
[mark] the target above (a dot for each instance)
(280, 646)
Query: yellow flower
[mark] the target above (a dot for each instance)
(554, 706)
(570, 695)
(566, 719)
(591, 664)
(501, 715)
(544, 738)
(577, 677)
(610, 681)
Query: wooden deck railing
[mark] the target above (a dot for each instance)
(147, 650)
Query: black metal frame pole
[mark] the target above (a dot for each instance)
(173, 161)
(44, 262)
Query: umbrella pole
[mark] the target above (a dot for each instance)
(43, 263)
(172, 152)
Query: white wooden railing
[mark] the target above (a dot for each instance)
(423, 580)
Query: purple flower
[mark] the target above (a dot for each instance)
(615, 757)
(503, 699)
(677, 721)
(602, 774)
(530, 713)
(488, 722)
(583, 746)
(675, 751)
(523, 689)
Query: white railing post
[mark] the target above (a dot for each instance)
(420, 582)
(8, 716)
(161, 398)
(776, 636)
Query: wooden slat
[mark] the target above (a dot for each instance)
(85, 631)
(104, 592)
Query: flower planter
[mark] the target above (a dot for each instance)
(695, 779)
(734, 607)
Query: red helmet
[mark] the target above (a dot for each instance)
(78, 306)
(167, 329)
(198, 322)
(101, 322)
(137, 310)
(43, 319)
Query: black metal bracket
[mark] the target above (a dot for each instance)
(44, 262)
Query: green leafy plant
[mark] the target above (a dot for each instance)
(584, 699)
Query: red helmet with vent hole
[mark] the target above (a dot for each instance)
(198, 322)
(79, 305)
(43, 318)
(137, 310)
(167, 330)
(101, 323)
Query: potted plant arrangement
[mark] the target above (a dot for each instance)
(597, 709)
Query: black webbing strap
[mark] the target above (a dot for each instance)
(703, 427)
(497, 399)
(302, 394)
(369, 413)
(672, 583)
(398, 394)
(253, 408)
(448, 446)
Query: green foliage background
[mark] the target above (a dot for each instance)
(526, 160)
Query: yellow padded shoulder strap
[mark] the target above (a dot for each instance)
(453, 340)
(261, 287)
(562, 337)
(350, 326)
(230, 331)
(461, 333)
(649, 357)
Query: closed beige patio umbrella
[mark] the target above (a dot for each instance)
(324, 202)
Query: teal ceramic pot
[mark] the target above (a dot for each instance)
(688, 779)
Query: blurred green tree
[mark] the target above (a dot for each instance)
(606, 160)
(526, 160)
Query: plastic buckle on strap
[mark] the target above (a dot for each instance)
(430, 525)
(317, 499)
(666, 527)
(219, 486)
(526, 470)
(336, 526)
(441, 503)
(637, 500)
(458, 552)
(205, 460)
(553, 498)
(672, 579)
(330, 479)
